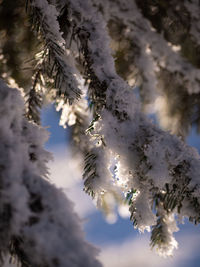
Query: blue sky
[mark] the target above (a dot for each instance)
(120, 244)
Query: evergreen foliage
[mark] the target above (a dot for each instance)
(91, 58)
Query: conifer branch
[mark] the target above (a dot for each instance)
(162, 170)
(32, 210)
(162, 233)
(57, 64)
(126, 130)
(167, 70)
(35, 98)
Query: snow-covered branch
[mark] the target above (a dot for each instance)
(126, 152)
(163, 69)
(56, 62)
(152, 159)
(36, 217)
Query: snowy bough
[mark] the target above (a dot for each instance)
(34, 220)
(104, 96)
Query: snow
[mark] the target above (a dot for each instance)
(31, 207)
(149, 157)
(66, 86)
(149, 160)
